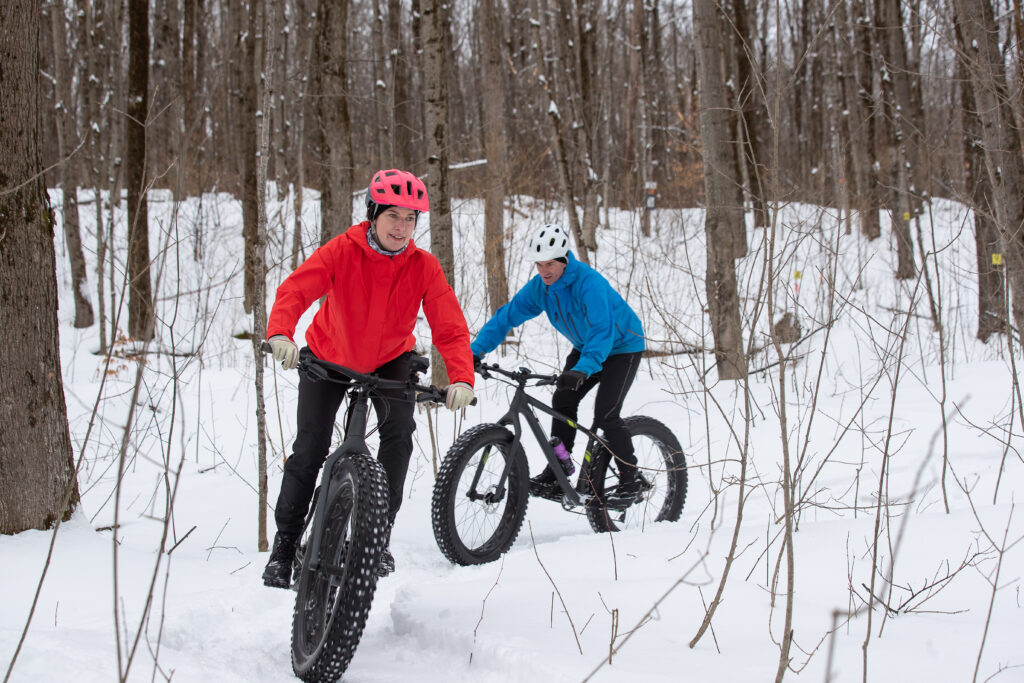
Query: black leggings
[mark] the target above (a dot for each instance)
(317, 411)
(613, 380)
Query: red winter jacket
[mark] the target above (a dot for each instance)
(371, 307)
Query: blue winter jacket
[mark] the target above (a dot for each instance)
(581, 305)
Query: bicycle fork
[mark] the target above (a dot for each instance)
(354, 444)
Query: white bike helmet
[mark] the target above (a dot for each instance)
(549, 243)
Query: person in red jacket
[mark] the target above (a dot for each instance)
(374, 280)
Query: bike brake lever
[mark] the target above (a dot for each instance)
(315, 372)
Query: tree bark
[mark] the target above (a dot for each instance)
(1001, 138)
(336, 184)
(140, 300)
(751, 105)
(494, 149)
(724, 216)
(991, 288)
(867, 177)
(381, 91)
(37, 472)
(902, 154)
(65, 120)
(435, 82)
(403, 107)
(251, 69)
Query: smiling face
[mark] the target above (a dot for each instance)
(394, 227)
(550, 271)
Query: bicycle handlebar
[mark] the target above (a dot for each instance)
(317, 369)
(522, 375)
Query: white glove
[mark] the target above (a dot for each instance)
(285, 351)
(459, 396)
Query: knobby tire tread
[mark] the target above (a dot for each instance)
(359, 555)
(674, 462)
(443, 503)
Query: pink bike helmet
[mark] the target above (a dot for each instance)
(393, 187)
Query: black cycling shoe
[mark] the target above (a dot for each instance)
(544, 485)
(278, 572)
(630, 489)
(387, 563)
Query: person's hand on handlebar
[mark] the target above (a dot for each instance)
(459, 396)
(284, 350)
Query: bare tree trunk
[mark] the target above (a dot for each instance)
(190, 159)
(724, 215)
(259, 264)
(336, 185)
(141, 321)
(65, 126)
(991, 288)
(562, 137)
(981, 51)
(632, 104)
(902, 156)
(308, 42)
(494, 148)
(380, 90)
(250, 93)
(867, 177)
(38, 486)
(435, 80)
(752, 107)
(403, 107)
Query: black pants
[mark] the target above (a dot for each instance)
(613, 381)
(317, 411)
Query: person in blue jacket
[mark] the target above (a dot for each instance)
(607, 343)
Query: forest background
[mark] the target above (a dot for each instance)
(876, 109)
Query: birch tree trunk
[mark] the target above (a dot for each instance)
(37, 472)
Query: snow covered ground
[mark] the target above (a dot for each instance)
(869, 389)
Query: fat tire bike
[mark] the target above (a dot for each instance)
(482, 488)
(335, 566)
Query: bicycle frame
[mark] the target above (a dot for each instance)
(519, 408)
(353, 444)
(362, 386)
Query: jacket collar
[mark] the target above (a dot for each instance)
(357, 233)
(572, 270)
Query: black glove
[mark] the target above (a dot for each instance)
(571, 379)
(477, 360)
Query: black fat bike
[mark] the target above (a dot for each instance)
(335, 567)
(482, 488)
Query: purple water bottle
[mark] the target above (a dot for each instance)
(563, 456)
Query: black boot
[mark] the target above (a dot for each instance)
(386, 565)
(544, 485)
(278, 573)
(629, 489)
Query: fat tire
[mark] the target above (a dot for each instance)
(668, 473)
(330, 612)
(454, 516)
